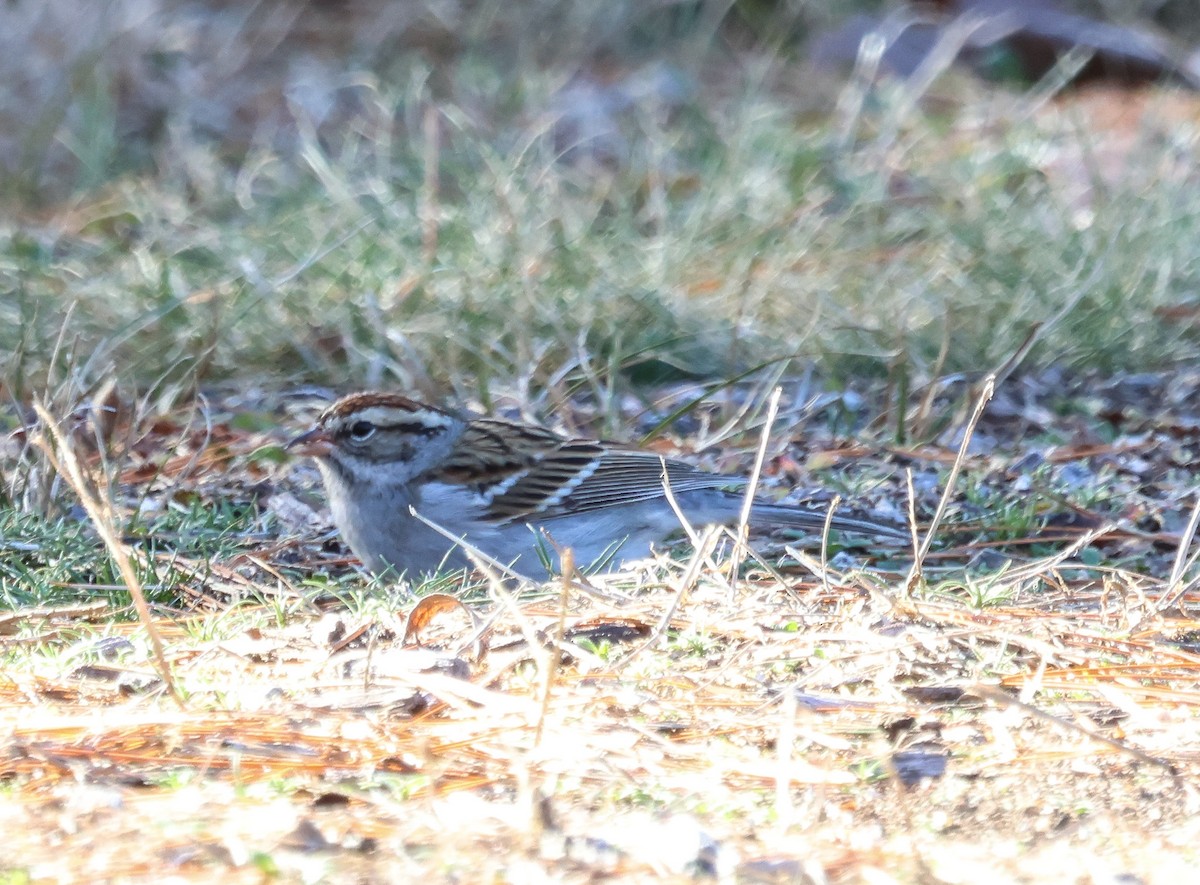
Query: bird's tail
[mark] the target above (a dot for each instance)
(780, 516)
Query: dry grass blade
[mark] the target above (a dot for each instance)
(1018, 356)
(694, 538)
(912, 512)
(701, 555)
(1175, 589)
(825, 530)
(834, 582)
(994, 694)
(920, 422)
(1043, 566)
(690, 406)
(743, 526)
(61, 454)
(915, 574)
(762, 562)
(492, 567)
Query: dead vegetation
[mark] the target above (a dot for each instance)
(809, 721)
(887, 737)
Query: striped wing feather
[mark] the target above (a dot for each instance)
(580, 476)
(526, 472)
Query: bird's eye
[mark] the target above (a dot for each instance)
(361, 431)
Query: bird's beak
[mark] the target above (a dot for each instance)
(316, 443)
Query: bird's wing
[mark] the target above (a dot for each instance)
(524, 473)
(581, 476)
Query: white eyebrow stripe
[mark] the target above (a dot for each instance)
(385, 415)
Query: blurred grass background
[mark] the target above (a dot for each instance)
(446, 197)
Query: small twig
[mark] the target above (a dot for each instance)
(693, 538)
(920, 423)
(669, 493)
(100, 512)
(1175, 589)
(682, 589)
(1018, 356)
(743, 526)
(763, 564)
(837, 499)
(817, 569)
(912, 513)
(916, 573)
(1041, 566)
(484, 562)
(996, 695)
(492, 569)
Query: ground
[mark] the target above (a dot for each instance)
(1025, 715)
(978, 301)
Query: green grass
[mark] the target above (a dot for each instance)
(734, 232)
(50, 560)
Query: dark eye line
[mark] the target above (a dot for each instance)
(412, 428)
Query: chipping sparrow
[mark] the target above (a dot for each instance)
(495, 484)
